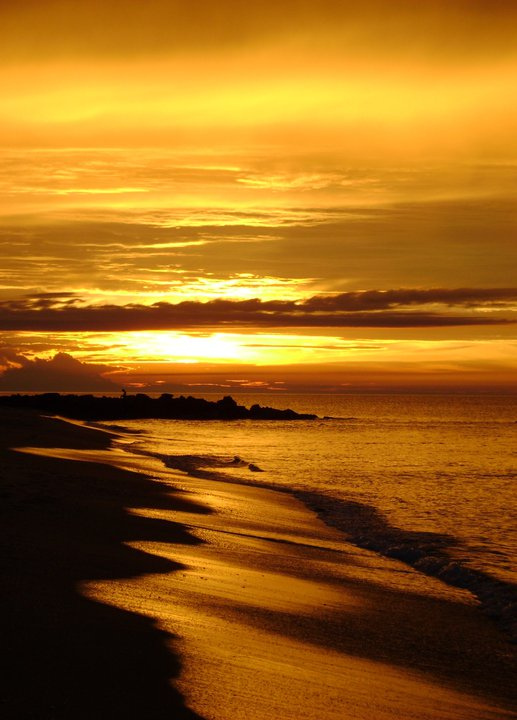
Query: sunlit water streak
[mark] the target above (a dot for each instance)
(405, 474)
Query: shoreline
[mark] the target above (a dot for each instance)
(241, 588)
(69, 657)
(365, 527)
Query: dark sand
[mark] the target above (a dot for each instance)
(140, 594)
(68, 656)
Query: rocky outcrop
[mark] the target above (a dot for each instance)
(139, 406)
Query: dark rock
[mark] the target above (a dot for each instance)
(139, 406)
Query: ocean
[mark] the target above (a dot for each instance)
(427, 479)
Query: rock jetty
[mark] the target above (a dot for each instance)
(140, 406)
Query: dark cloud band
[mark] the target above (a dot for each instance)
(372, 308)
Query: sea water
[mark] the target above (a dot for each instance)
(430, 480)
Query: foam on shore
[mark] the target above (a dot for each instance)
(429, 553)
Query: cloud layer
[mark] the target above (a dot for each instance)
(372, 308)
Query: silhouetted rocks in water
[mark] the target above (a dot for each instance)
(127, 407)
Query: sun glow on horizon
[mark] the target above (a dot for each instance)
(176, 347)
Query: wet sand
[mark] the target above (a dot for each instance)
(139, 590)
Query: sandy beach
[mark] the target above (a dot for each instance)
(136, 590)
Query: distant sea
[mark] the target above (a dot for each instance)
(428, 479)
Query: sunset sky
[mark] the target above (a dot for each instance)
(221, 196)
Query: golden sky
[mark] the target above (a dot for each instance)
(200, 196)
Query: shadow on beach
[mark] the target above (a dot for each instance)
(68, 657)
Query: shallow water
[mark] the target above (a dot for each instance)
(428, 479)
